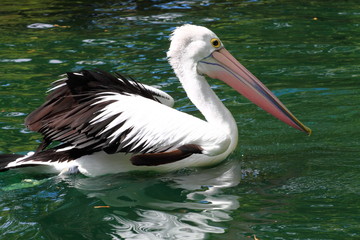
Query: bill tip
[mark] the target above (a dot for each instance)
(308, 131)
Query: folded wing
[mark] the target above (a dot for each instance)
(95, 111)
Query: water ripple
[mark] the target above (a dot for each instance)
(19, 60)
(152, 224)
(40, 25)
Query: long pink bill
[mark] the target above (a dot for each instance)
(223, 66)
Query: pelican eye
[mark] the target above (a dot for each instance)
(215, 42)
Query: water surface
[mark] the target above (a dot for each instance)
(278, 184)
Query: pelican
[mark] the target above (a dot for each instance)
(110, 123)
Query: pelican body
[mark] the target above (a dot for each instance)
(110, 123)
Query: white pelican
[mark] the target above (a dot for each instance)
(109, 124)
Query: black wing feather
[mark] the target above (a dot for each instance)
(69, 115)
(70, 107)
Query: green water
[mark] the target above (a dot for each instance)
(278, 184)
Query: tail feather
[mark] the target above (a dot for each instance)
(5, 159)
(48, 161)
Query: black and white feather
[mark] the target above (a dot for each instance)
(82, 112)
(91, 112)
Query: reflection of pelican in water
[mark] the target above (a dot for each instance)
(173, 206)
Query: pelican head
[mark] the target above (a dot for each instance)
(198, 51)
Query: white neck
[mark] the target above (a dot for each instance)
(203, 97)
